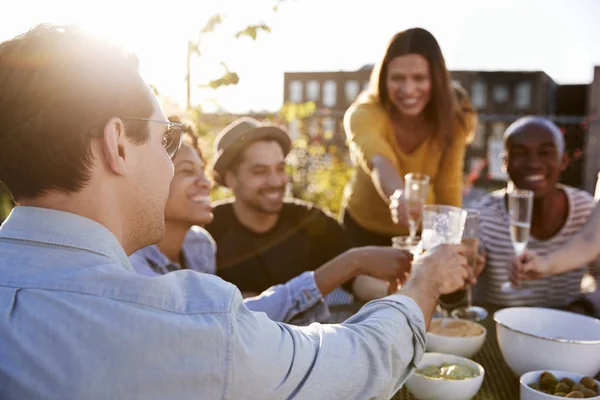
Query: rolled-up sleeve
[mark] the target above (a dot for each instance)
(366, 129)
(369, 356)
(283, 302)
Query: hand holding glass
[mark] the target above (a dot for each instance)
(520, 207)
(470, 240)
(415, 193)
(442, 225)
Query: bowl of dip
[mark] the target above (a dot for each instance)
(445, 377)
(455, 336)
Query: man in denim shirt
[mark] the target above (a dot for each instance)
(85, 151)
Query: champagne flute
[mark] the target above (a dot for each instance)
(411, 244)
(415, 192)
(471, 241)
(520, 206)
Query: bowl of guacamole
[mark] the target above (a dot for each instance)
(442, 376)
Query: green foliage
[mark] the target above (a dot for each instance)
(228, 78)
(319, 173)
(212, 23)
(319, 163)
(297, 112)
(252, 31)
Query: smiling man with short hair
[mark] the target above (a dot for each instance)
(534, 158)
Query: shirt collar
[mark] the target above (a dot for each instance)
(62, 228)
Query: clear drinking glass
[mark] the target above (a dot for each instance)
(411, 244)
(520, 206)
(442, 224)
(415, 193)
(470, 240)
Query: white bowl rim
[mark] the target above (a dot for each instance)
(458, 337)
(559, 340)
(553, 372)
(480, 369)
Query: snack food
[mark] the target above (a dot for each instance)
(448, 371)
(455, 328)
(549, 384)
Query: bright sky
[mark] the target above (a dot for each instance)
(561, 37)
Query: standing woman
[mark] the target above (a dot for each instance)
(411, 119)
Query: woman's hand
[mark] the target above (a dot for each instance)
(399, 208)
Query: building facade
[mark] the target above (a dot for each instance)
(500, 97)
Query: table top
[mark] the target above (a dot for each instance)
(499, 382)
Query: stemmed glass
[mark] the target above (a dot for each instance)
(520, 206)
(470, 240)
(411, 244)
(415, 193)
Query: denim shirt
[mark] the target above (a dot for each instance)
(77, 322)
(298, 300)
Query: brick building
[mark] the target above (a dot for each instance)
(499, 96)
(592, 138)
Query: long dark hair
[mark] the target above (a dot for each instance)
(442, 109)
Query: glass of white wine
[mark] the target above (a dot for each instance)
(520, 207)
(470, 240)
(416, 186)
(411, 244)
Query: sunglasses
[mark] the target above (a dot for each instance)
(171, 139)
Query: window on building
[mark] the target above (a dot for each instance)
(293, 129)
(313, 128)
(352, 89)
(479, 94)
(478, 142)
(495, 150)
(366, 85)
(296, 91)
(312, 90)
(328, 127)
(500, 93)
(498, 129)
(523, 95)
(329, 93)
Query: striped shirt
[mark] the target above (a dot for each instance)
(552, 291)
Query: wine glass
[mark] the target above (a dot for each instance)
(520, 205)
(470, 240)
(415, 193)
(411, 244)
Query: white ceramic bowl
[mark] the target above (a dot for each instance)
(460, 346)
(534, 339)
(528, 393)
(441, 389)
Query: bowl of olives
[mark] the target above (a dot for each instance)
(533, 339)
(547, 385)
(445, 377)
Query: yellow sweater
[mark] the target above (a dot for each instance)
(369, 132)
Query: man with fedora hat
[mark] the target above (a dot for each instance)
(263, 239)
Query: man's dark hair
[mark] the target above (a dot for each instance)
(58, 84)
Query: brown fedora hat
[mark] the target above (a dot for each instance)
(237, 136)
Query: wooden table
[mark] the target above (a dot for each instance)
(499, 382)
